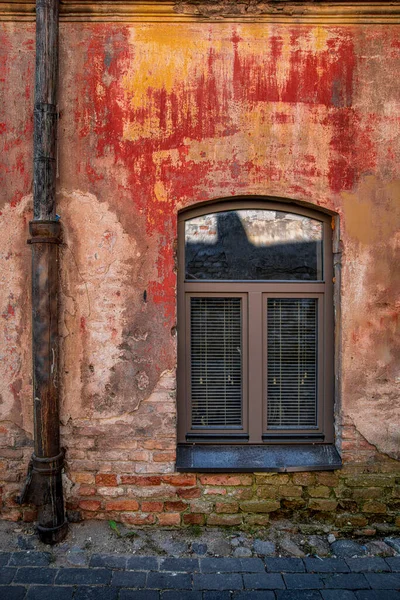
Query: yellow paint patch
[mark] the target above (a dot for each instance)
(372, 213)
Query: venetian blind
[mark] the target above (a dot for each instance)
(216, 362)
(292, 363)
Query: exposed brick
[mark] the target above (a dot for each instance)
(140, 480)
(320, 491)
(323, 505)
(228, 520)
(226, 479)
(374, 507)
(193, 519)
(158, 445)
(29, 515)
(152, 507)
(189, 493)
(370, 480)
(366, 493)
(227, 507)
(329, 479)
(290, 491)
(106, 479)
(368, 531)
(92, 505)
(303, 478)
(169, 518)
(82, 477)
(175, 506)
(86, 490)
(272, 478)
(110, 491)
(214, 491)
(164, 456)
(259, 506)
(130, 519)
(256, 519)
(180, 480)
(125, 505)
(267, 491)
(201, 506)
(353, 520)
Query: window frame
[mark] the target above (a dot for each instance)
(257, 293)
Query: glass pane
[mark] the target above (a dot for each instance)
(292, 363)
(216, 362)
(253, 244)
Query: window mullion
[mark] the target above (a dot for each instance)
(255, 366)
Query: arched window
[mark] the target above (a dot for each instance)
(255, 338)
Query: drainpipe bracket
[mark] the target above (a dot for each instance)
(35, 486)
(45, 232)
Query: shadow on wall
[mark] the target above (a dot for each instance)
(233, 256)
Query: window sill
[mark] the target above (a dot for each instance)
(243, 458)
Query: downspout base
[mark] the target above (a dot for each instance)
(52, 535)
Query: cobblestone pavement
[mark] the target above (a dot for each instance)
(31, 575)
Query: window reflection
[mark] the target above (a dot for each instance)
(253, 245)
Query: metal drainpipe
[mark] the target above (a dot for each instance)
(44, 483)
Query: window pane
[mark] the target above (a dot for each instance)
(253, 245)
(216, 362)
(292, 363)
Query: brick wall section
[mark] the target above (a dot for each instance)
(125, 471)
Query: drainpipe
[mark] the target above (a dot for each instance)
(44, 483)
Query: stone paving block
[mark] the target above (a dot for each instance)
(183, 595)
(384, 581)
(216, 596)
(7, 575)
(263, 581)
(252, 565)
(347, 581)
(4, 558)
(183, 565)
(367, 564)
(303, 581)
(112, 561)
(338, 595)
(83, 577)
(139, 595)
(131, 579)
(327, 565)
(41, 592)
(298, 595)
(30, 559)
(34, 575)
(285, 565)
(95, 593)
(14, 592)
(253, 595)
(377, 595)
(216, 581)
(221, 565)
(169, 581)
(142, 563)
(394, 563)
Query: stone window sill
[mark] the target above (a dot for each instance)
(280, 458)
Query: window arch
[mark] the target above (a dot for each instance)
(255, 334)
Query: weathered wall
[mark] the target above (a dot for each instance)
(156, 117)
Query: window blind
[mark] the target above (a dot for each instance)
(216, 362)
(292, 363)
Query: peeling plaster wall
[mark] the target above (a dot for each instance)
(154, 118)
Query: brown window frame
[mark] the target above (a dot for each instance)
(255, 294)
